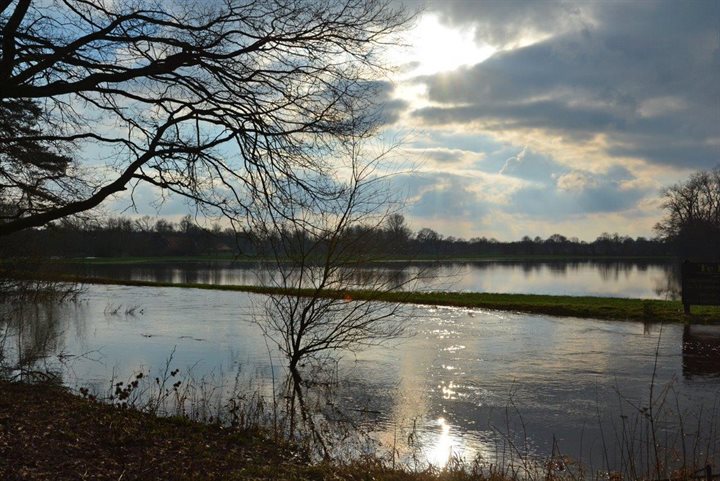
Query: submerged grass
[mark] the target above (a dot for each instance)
(611, 308)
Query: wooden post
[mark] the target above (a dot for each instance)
(683, 286)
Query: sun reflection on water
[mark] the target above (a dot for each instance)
(445, 446)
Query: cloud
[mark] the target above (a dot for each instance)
(514, 162)
(452, 195)
(578, 193)
(509, 23)
(386, 108)
(643, 75)
(531, 166)
(454, 199)
(146, 199)
(442, 158)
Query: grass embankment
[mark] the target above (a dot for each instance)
(610, 308)
(47, 433)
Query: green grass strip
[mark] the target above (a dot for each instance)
(570, 306)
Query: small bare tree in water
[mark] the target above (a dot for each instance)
(327, 298)
(320, 253)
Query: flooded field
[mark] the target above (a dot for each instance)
(646, 280)
(461, 384)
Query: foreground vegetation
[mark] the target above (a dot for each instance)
(610, 308)
(47, 433)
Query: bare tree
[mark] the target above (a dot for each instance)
(221, 102)
(692, 219)
(319, 256)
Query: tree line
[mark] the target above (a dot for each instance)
(146, 236)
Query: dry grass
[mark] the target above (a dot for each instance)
(47, 433)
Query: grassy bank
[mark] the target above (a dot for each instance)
(47, 433)
(610, 308)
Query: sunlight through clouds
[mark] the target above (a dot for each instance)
(559, 97)
(434, 47)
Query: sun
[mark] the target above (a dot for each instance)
(434, 47)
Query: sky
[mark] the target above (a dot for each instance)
(534, 117)
(541, 117)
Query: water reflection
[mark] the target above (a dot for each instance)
(701, 351)
(444, 447)
(32, 341)
(659, 280)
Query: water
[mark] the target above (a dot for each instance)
(647, 280)
(463, 383)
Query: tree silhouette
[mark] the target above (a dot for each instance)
(33, 171)
(692, 219)
(221, 102)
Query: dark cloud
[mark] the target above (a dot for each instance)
(578, 122)
(646, 74)
(503, 22)
(383, 108)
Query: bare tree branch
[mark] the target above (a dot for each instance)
(224, 102)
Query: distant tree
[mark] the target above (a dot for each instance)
(398, 232)
(144, 224)
(426, 234)
(163, 226)
(692, 216)
(429, 241)
(222, 102)
(187, 225)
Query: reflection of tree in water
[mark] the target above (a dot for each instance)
(31, 336)
(668, 286)
(528, 267)
(611, 270)
(560, 268)
(397, 276)
(701, 351)
(307, 415)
